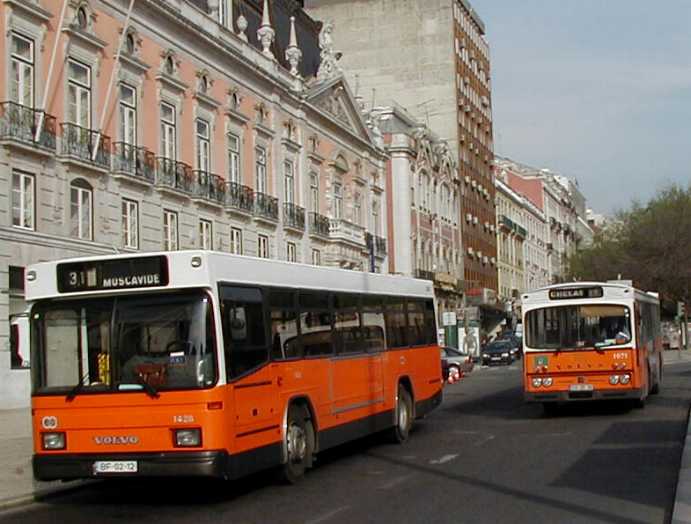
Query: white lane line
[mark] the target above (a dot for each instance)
(395, 482)
(484, 440)
(444, 459)
(327, 516)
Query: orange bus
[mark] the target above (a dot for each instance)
(208, 364)
(589, 341)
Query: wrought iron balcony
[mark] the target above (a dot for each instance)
(293, 216)
(174, 175)
(239, 197)
(80, 142)
(319, 224)
(135, 161)
(265, 206)
(18, 122)
(209, 187)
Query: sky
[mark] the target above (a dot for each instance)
(597, 90)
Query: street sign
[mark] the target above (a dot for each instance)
(449, 318)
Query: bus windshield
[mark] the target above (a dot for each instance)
(575, 327)
(124, 343)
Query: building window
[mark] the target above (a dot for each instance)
(236, 241)
(225, 13)
(128, 115)
(78, 94)
(314, 192)
(130, 224)
(168, 132)
(233, 158)
(130, 44)
(338, 201)
(170, 230)
(206, 234)
(316, 257)
(170, 65)
(82, 18)
(357, 209)
(23, 211)
(263, 246)
(261, 181)
(81, 202)
(289, 181)
(203, 146)
(291, 252)
(22, 71)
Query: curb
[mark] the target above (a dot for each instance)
(42, 494)
(681, 514)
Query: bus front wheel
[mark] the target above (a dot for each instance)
(299, 443)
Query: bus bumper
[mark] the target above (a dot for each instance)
(598, 394)
(82, 466)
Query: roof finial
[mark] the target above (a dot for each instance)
(293, 53)
(266, 33)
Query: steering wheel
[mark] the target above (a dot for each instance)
(184, 344)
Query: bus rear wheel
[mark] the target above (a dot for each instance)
(404, 416)
(299, 444)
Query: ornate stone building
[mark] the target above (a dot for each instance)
(183, 124)
(424, 233)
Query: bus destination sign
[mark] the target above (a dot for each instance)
(575, 293)
(102, 275)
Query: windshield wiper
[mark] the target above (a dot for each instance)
(77, 388)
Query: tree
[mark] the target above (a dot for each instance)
(650, 245)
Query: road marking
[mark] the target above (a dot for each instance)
(484, 440)
(395, 482)
(444, 459)
(327, 516)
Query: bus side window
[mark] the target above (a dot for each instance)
(396, 324)
(430, 323)
(416, 322)
(244, 336)
(285, 342)
(373, 325)
(315, 324)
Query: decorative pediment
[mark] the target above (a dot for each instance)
(335, 98)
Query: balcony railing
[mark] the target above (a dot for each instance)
(319, 224)
(209, 187)
(293, 216)
(80, 142)
(135, 161)
(18, 122)
(424, 274)
(340, 229)
(174, 175)
(265, 206)
(240, 197)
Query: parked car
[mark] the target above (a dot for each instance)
(497, 352)
(456, 357)
(516, 343)
(450, 373)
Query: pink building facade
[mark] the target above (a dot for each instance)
(178, 125)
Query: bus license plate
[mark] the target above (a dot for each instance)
(115, 466)
(581, 387)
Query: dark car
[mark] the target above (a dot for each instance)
(497, 352)
(516, 343)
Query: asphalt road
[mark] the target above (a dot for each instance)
(483, 456)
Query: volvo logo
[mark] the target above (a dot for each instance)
(106, 440)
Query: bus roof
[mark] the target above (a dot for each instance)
(614, 290)
(210, 267)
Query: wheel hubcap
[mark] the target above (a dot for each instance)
(402, 415)
(297, 443)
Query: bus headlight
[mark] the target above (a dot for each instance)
(53, 440)
(537, 382)
(625, 379)
(614, 380)
(188, 437)
(547, 381)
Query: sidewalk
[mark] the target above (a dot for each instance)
(17, 485)
(682, 499)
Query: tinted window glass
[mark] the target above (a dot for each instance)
(373, 325)
(285, 342)
(315, 324)
(416, 323)
(347, 332)
(430, 323)
(396, 324)
(244, 332)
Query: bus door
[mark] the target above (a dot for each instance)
(254, 394)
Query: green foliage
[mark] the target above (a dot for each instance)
(650, 245)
